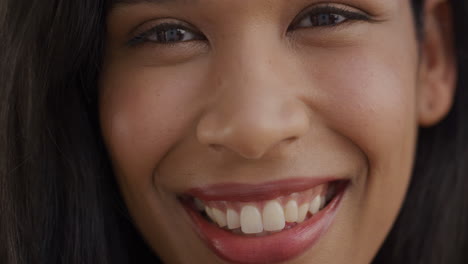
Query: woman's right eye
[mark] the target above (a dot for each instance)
(167, 33)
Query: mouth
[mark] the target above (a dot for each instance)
(266, 223)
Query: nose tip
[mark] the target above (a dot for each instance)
(252, 134)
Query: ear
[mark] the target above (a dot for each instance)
(438, 69)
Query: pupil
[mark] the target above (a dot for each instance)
(325, 19)
(171, 35)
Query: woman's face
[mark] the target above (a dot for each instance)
(293, 122)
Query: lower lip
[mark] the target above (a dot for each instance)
(279, 247)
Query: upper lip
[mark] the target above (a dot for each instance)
(244, 192)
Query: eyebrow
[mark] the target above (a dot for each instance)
(115, 4)
(134, 2)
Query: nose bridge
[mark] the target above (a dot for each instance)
(256, 107)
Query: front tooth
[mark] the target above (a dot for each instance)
(291, 212)
(233, 220)
(303, 209)
(315, 205)
(251, 220)
(273, 217)
(220, 217)
(322, 201)
(209, 212)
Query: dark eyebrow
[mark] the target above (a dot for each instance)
(137, 1)
(122, 3)
(134, 2)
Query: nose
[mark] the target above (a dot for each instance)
(256, 109)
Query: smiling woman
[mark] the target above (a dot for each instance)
(225, 131)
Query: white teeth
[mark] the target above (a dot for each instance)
(315, 205)
(209, 212)
(233, 219)
(303, 209)
(251, 220)
(259, 218)
(273, 217)
(220, 217)
(322, 202)
(291, 211)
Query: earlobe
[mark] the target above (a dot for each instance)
(437, 72)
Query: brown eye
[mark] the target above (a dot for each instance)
(167, 34)
(328, 15)
(320, 20)
(170, 35)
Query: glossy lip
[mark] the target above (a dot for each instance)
(238, 192)
(274, 248)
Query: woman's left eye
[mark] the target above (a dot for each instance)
(321, 20)
(326, 16)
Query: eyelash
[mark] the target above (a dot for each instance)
(167, 30)
(329, 10)
(164, 30)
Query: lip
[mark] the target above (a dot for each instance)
(238, 192)
(278, 247)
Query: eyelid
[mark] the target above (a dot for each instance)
(138, 35)
(351, 13)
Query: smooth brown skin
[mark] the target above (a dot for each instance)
(254, 103)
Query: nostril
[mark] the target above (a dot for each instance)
(216, 147)
(291, 139)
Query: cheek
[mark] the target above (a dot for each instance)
(368, 98)
(366, 93)
(143, 112)
(372, 101)
(373, 104)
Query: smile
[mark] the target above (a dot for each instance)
(264, 223)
